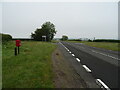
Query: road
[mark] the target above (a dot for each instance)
(102, 64)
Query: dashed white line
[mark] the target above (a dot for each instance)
(64, 46)
(67, 49)
(78, 59)
(69, 52)
(86, 68)
(73, 55)
(102, 84)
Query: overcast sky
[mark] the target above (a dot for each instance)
(77, 20)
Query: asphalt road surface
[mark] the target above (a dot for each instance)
(101, 63)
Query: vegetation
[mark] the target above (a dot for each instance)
(5, 37)
(64, 37)
(106, 40)
(74, 40)
(32, 68)
(0, 63)
(104, 45)
(47, 29)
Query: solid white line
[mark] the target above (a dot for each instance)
(102, 84)
(73, 55)
(86, 68)
(106, 55)
(78, 59)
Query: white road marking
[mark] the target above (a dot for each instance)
(105, 55)
(73, 55)
(64, 46)
(86, 68)
(102, 84)
(69, 52)
(78, 59)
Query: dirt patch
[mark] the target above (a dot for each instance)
(64, 74)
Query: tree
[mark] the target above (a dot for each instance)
(47, 29)
(64, 37)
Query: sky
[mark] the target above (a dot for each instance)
(74, 19)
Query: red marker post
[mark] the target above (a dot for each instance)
(18, 44)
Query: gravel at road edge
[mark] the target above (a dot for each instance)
(64, 74)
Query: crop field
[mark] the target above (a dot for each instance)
(32, 68)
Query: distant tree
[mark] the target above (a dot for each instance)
(89, 40)
(64, 37)
(47, 29)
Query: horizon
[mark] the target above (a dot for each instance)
(76, 20)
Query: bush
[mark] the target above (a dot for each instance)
(6, 37)
(64, 37)
(89, 40)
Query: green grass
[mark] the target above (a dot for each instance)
(0, 64)
(54, 41)
(32, 68)
(105, 45)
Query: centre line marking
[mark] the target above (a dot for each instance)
(69, 52)
(102, 84)
(73, 55)
(64, 47)
(86, 68)
(78, 59)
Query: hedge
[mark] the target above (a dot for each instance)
(74, 40)
(6, 37)
(106, 40)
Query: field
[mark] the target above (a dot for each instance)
(105, 45)
(32, 68)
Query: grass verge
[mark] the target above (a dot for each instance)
(104, 45)
(0, 64)
(32, 68)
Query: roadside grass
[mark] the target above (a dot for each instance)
(0, 64)
(55, 41)
(104, 45)
(32, 68)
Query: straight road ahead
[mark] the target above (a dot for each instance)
(103, 64)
